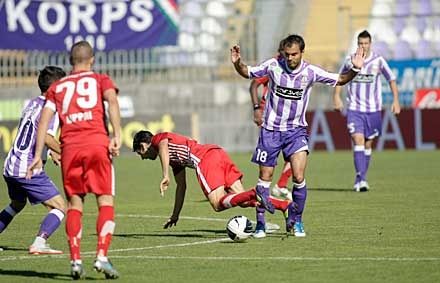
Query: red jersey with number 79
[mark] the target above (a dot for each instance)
(79, 101)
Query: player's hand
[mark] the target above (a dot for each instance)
(338, 105)
(235, 54)
(114, 146)
(172, 221)
(164, 185)
(35, 168)
(56, 158)
(395, 107)
(258, 117)
(358, 58)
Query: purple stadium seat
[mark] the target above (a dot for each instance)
(421, 23)
(424, 50)
(399, 24)
(402, 50)
(424, 8)
(402, 8)
(381, 47)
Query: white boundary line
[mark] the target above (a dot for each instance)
(92, 253)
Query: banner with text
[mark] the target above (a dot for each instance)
(412, 75)
(107, 25)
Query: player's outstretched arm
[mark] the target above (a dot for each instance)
(180, 177)
(115, 120)
(241, 68)
(164, 156)
(258, 112)
(338, 105)
(395, 106)
(37, 164)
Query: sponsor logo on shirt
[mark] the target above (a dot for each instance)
(304, 81)
(364, 78)
(78, 117)
(289, 93)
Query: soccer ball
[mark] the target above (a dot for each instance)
(239, 228)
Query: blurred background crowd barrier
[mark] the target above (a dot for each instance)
(171, 61)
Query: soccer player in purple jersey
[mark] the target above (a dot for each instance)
(40, 189)
(364, 105)
(284, 126)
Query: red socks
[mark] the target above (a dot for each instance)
(244, 199)
(73, 231)
(105, 227)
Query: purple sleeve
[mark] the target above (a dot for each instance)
(346, 66)
(325, 77)
(261, 70)
(53, 125)
(386, 70)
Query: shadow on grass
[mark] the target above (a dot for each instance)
(31, 273)
(6, 248)
(217, 231)
(331, 189)
(161, 235)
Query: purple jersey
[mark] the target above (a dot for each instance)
(22, 152)
(288, 94)
(365, 90)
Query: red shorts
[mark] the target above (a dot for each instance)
(216, 169)
(87, 170)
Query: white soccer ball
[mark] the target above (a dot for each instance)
(239, 228)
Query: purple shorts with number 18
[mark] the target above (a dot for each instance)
(270, 143)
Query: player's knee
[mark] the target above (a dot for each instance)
(57, 202)
(217, 207)
(298, 178)
(62, 206)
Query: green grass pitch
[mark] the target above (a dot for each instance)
(389, 234)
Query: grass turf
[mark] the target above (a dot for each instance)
(389, 234)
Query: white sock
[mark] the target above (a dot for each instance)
(102, 258)
(77, 261)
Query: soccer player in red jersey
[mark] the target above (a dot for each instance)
(86, 160)
(218, 176)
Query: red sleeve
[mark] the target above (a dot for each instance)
(107, 83)
(262, 80)
(157, 138)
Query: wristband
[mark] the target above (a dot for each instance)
(356, 70)
(256, 106)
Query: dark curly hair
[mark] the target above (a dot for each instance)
(139, 137)
(48, 76)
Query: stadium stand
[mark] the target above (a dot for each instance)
(325, 48)
(410, 28)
